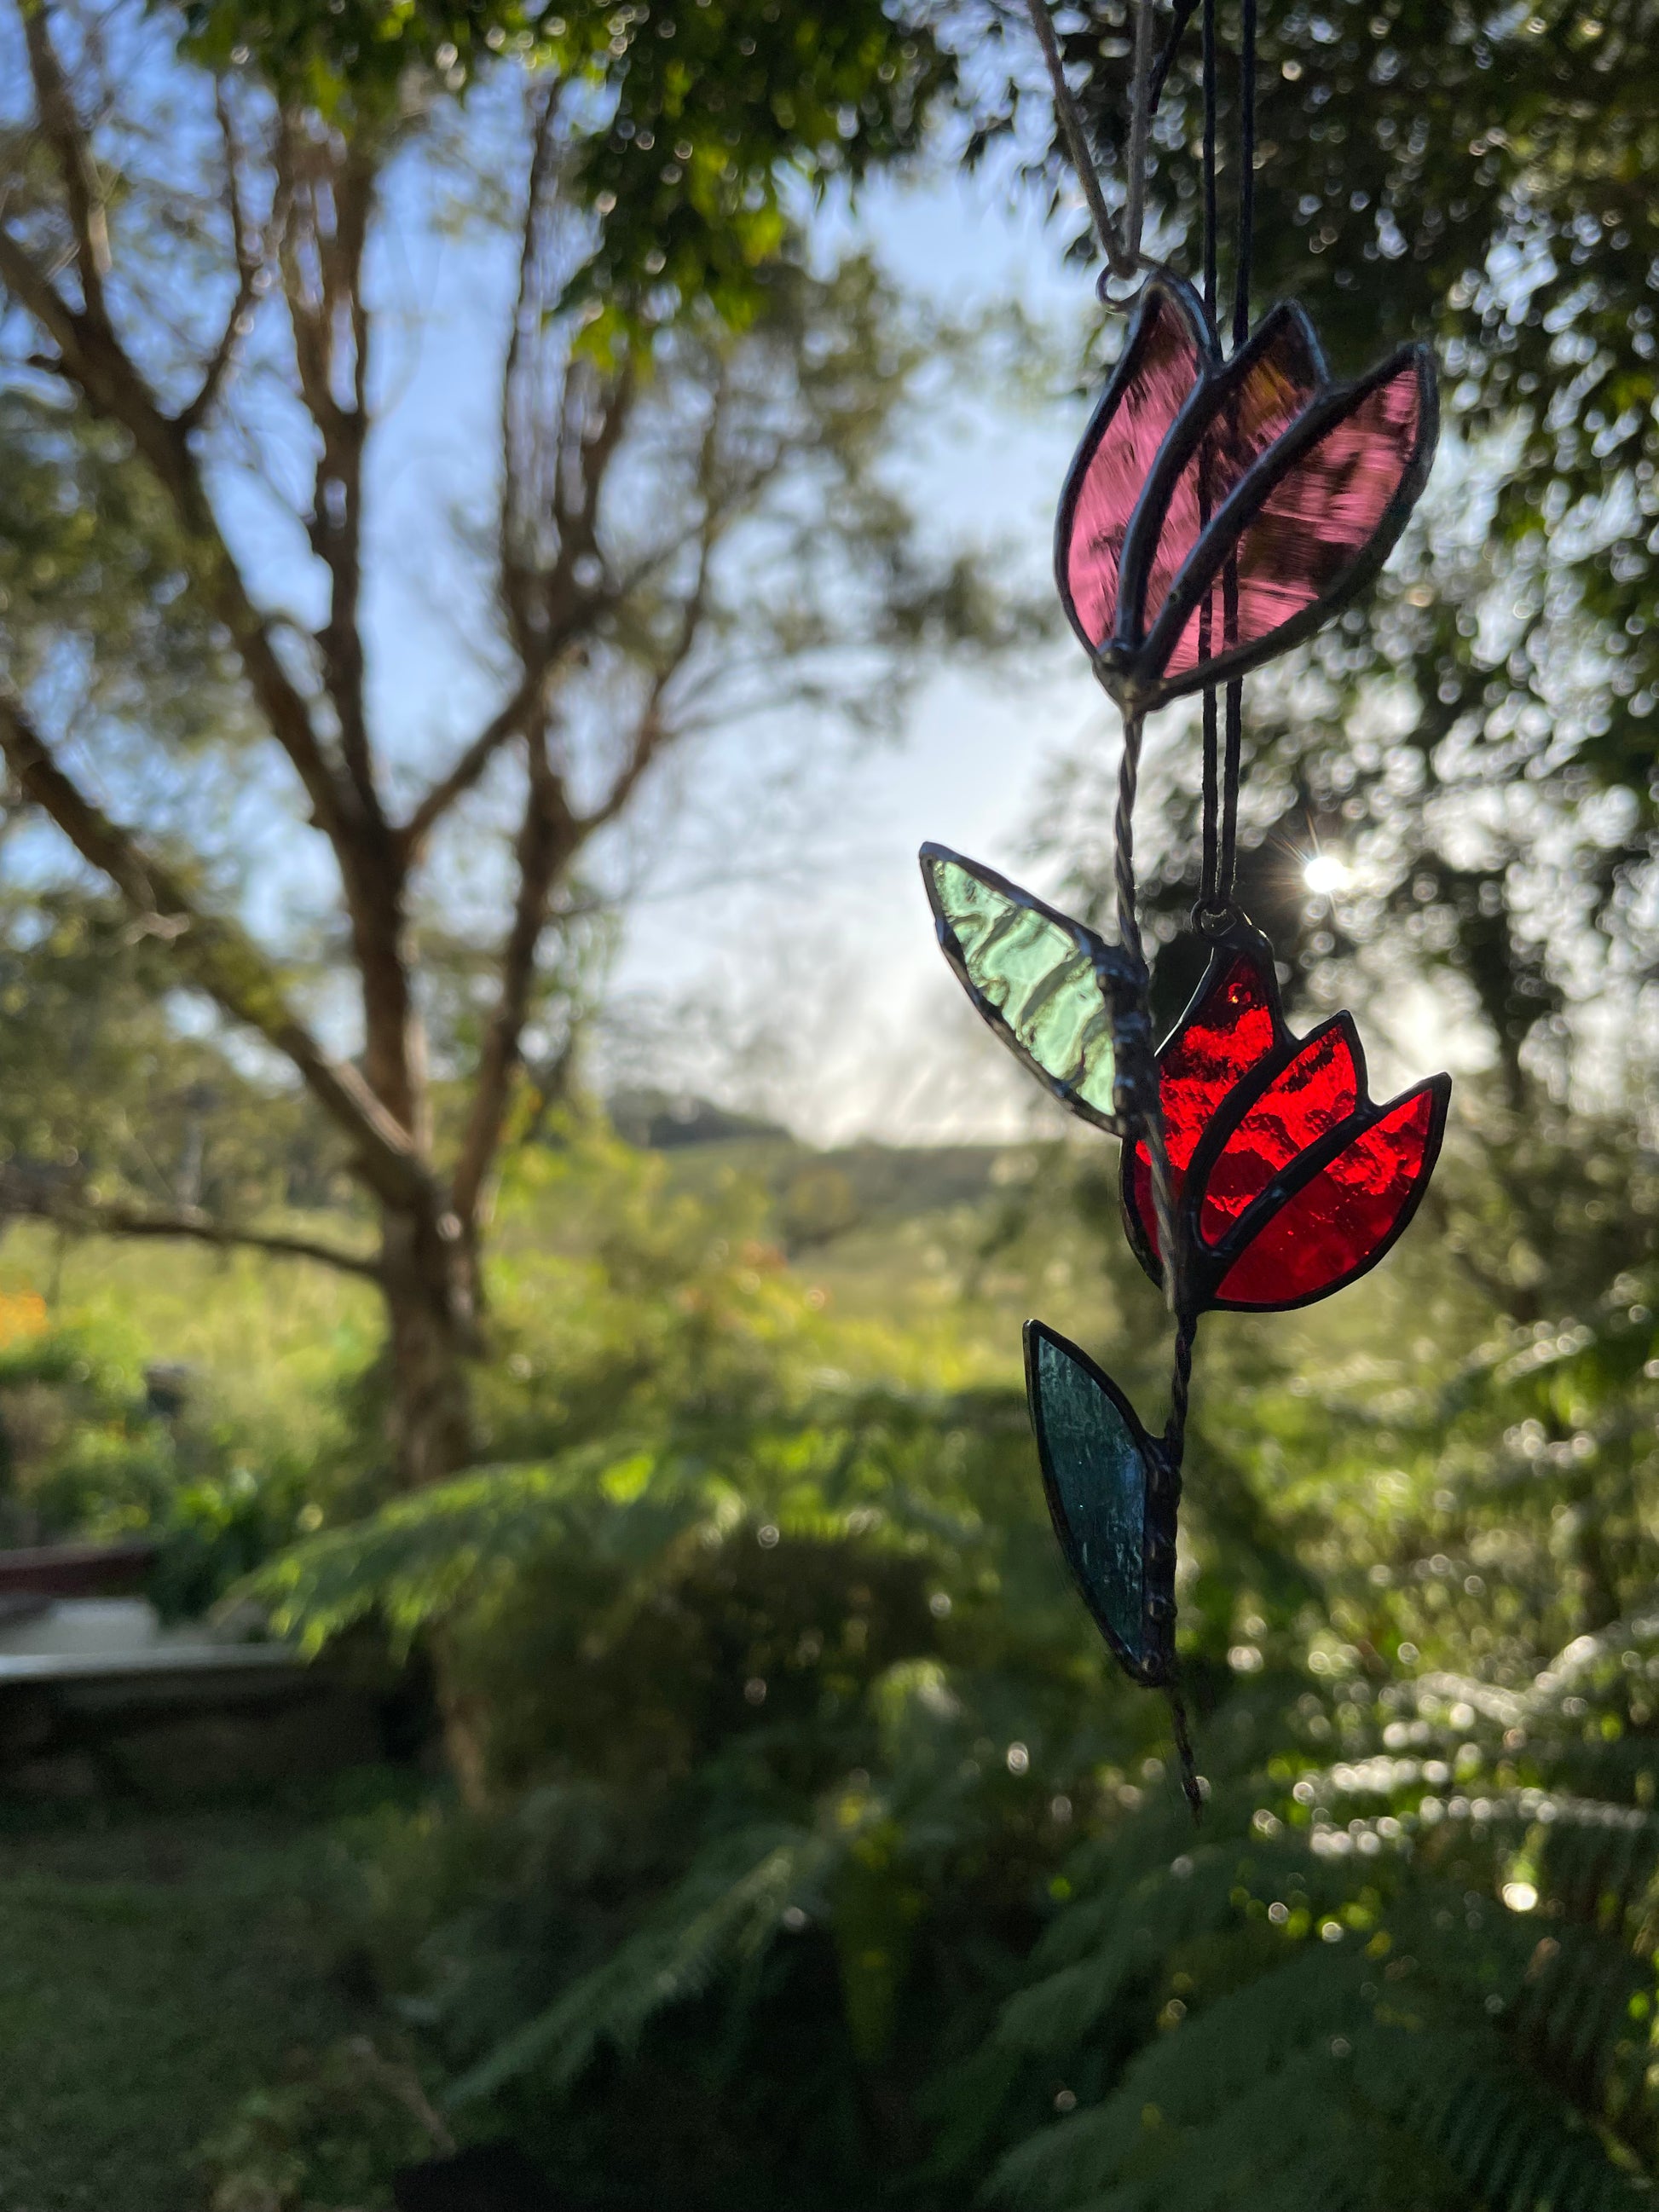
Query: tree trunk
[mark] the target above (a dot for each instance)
(430, 1286)
(432, 1340)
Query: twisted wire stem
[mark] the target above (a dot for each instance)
(1175, 1440)
(1190, 1787)
(1129, 937)
(1123, 839)
(1166, 1472)
(1181, 1380)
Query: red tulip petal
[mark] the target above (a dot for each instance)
(1347, 1215)
(1230, 1029)
(1317, 523)
(1256, 399)
(1318, 1088)
(1156, 377)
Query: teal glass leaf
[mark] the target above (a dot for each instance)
(1060, 999)
(1094, 1455)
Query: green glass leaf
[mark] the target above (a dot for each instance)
(1093, 1452)
(1052, 990)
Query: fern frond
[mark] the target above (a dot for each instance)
(1214, 2058)
(1299, 2141)
(1515, 2143)
(418, 1556)
(730, 1905)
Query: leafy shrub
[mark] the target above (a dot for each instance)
(1417, 1975)
(816, 1856)
(326, 2135)
(87, 1451)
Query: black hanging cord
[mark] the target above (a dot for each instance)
(1212, 219)
(1221, 776)
(1226, 864)
(1225, 867)
(1210, 895)
(1246, 173)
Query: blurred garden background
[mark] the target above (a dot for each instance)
(513, 527)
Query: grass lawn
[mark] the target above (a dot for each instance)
(152, 1971)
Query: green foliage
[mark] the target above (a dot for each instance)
(329, 2133)
(701, 120)
(740, 1692)
(94, 569)
(86, 1450)
(815, 1856)
(810, 1850)
(103, 1087)
(1431, 1957)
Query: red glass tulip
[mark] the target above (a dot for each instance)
(1288, 1180)
(1217, 512)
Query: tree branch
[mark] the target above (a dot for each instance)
(30, 287)
(653, 730)
(248, 265)
(220, 958)
(325, 189)
(94, 364)
(61, 128)
(546, 609)
(327, 198)
(547, 837)
(518, 714)
(74, 1208)
(551, 835)
(93, 360)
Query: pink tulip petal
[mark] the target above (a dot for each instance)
(1255, 401)
(1316, 525)
(1151, 384)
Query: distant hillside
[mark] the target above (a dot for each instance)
(820, 1195)
(665, 1121)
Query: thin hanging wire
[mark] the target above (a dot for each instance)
(1246, 173)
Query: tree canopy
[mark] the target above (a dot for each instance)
(692, 521)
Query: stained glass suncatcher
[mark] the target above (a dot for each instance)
(1220, 508)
